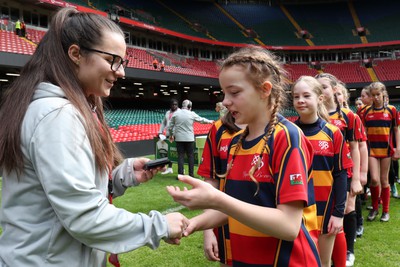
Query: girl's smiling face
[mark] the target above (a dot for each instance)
(305, 101)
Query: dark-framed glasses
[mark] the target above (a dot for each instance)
(116, 62)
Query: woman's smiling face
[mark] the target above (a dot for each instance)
(94, 69)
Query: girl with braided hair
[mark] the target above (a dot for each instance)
(265, 188)
(353, 224)
(212, 167)
(345, 120)
(381, 123)
(329, 164)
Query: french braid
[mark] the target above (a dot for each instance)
(381, 88)
(269, 132)
(260, 66)
(334, 83)
(345, 93)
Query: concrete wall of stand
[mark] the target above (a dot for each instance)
(148, 147)
(137, 149)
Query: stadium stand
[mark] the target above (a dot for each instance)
(348, 72)
(380, 20)
(11, 43)
(327, 23)
(157, 13)
(264, 20)
(387, 70)
(128, 125)
(212, 19)
(297, 70)
(139, 58)
(34, 35)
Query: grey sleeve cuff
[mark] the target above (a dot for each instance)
(123, 177)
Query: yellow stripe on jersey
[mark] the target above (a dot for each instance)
(236, 227)
(322, 178)
(378, 130)
(309, 218)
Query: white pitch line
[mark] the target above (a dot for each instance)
(173, 210)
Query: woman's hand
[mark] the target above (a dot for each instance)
(142, 175)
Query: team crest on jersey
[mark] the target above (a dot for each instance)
(255, 160)
(324, 145)
(337, 123)
(223, 148)
(296, 179)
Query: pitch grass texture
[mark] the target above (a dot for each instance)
(379, 246)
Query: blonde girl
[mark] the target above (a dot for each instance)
(380, 121)
(353, 218)
(265, 188)
(345, 120)
(329, 164)
(366, 96)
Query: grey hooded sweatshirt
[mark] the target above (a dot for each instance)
(56, 213)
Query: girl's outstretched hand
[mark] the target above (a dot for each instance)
(201, 196)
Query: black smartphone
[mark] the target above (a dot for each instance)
(152, 164)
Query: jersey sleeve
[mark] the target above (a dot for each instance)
(350, 130)
(395, 120)
(342, 153)
(208, 159)
(359, 132)
(398, 118)
(291, 163)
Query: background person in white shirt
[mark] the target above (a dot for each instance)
(182, 132)
(164, 126)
